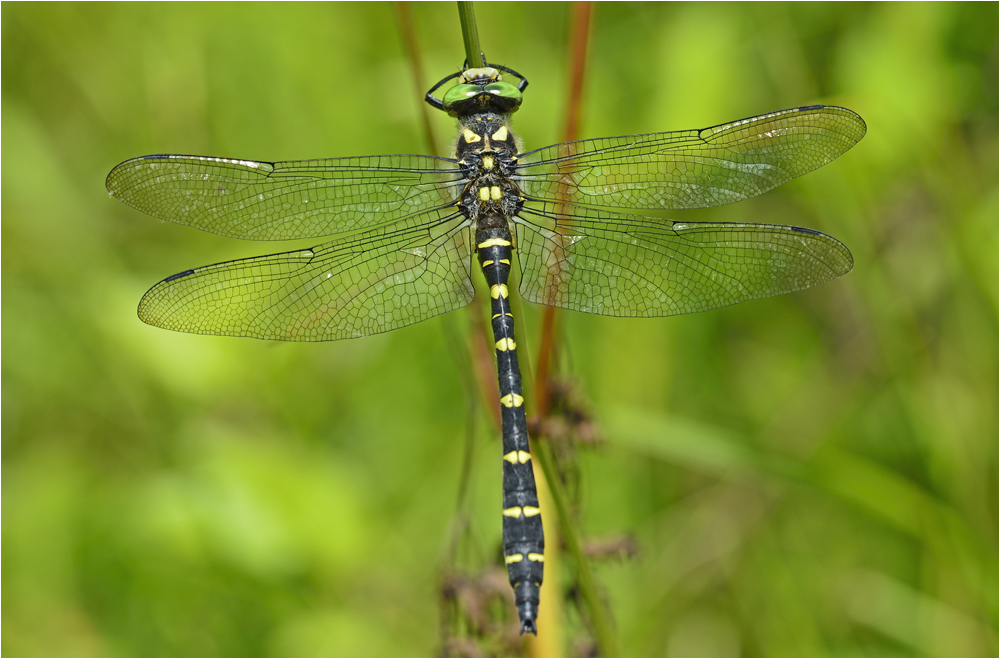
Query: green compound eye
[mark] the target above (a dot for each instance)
(460, 93)
(507, 91)
(498, 96)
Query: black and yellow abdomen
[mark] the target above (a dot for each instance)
(487, 152)
(523, 538)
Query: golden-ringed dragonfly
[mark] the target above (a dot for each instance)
(405, 230)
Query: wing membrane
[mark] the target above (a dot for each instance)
(691, 168)
(627, 265)
(358, 285)
(284, 200)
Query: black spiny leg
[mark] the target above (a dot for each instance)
(523, 539)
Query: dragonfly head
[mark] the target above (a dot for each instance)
(481, 89)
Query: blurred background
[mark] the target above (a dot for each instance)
(814, 474)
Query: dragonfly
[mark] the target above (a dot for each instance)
(405, 230)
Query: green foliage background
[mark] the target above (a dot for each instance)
(814, 474)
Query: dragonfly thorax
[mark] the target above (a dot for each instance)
(490, 199)
(484, 132)
(486, 150)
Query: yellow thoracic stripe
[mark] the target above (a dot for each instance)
(492, 242)
(512, 400)
(470, 136)
(512, 512)
(531, 511)
(504, 345)
(513, 558)
(501, 134)
(498, 291)
(538, 558)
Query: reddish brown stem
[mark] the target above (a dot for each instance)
(580, 30)
(481, 350)
(405, 18)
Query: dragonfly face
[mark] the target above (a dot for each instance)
(405, 229)
(480, 89)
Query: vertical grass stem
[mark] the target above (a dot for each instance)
(470, 35)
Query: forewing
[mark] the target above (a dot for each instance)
(284, 200)
(354, 286)
(626, 265)
(692, 168)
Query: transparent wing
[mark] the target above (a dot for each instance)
(357, 285)
(284, 200)
(627, 265)
(691, 168)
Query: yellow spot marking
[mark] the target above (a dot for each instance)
(496, 193)
(517, 456)
(538, 558)
(487, 263)
(484, 193)
(513, 558)
(512, 512)
(531, 511)
(512, 400)
(504, 345)
(470, 137)
(493, 242)
(501, 134)
(498, 291)
(488, 162)
(505, 261)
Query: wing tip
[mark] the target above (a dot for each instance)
(861, 126)
(178, 275)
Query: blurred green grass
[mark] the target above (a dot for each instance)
(814, 474)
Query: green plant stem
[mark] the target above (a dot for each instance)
(604, 635)
(470, 35)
